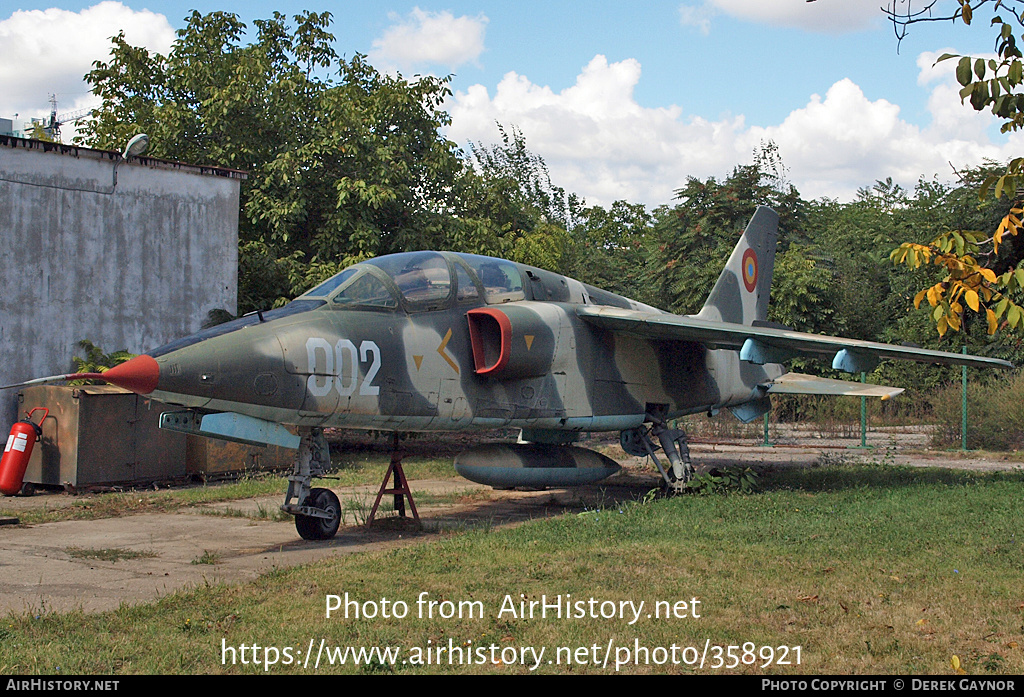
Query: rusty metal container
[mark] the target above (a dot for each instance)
(211, 457)
(99, 435)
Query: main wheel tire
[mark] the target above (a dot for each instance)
(312, 528)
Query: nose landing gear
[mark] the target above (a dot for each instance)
(317, 511)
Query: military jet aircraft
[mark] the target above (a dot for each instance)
(441, 341)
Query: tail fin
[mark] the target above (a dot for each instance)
(741, 294)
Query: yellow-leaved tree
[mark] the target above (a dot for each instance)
(967, 256)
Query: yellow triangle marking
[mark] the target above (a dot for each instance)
(418, 360)
(529, 341)
(440, 350)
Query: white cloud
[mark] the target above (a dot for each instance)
(698, 16)
(599, 142)
(832, 144)
(827, 16)
(594, 136)
(950, 118)
(50, 51)
(429, 38)
(845, 139)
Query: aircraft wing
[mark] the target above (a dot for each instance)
(760, 344)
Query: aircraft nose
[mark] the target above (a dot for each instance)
(140, 374)
(224, 372)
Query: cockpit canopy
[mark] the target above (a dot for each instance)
(421, 281)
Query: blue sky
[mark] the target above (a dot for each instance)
(622, 101)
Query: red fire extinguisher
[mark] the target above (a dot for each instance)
(19, 449)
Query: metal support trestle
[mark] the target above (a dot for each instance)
(400, 490)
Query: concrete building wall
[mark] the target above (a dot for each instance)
(130, 266)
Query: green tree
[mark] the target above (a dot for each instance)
(344, 163)
(610, 249)
(803, 294)
(513, 162)
(39, 132)
(509, 206)
(692, 241)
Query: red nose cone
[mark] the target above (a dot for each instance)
(140, 374)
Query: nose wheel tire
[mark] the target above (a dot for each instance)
(313, 528)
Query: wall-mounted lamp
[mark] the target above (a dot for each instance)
(135, 147)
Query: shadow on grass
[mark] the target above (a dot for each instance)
(838, 478)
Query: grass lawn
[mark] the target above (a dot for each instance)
(867, 569)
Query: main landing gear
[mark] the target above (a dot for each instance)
(639, 442)
(317, 511)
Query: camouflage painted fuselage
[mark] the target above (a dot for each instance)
(453, 353)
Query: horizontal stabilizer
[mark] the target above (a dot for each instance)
(798, 383)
